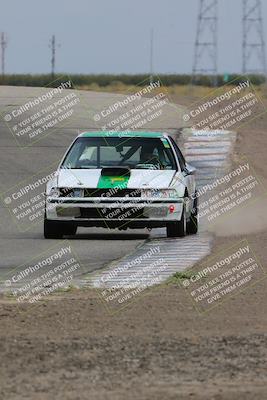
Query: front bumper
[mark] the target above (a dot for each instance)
(115, 213)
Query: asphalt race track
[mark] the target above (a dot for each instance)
(21, 159)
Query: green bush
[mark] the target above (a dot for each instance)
(103, 80)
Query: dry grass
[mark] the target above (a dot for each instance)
(183, 94)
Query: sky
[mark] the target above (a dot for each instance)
(113, 36)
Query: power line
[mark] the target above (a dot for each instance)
(254, 55)
(206, 41)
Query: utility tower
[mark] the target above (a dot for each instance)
(151, 78)
(3, 52)
(53, 46)
(205, 57)
(254, 56)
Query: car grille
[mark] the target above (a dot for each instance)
(112, 213)
(107, 193)
(111, 193)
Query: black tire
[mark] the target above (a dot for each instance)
(69, 229)
(178, 228)
(192, 223)
(56, 230)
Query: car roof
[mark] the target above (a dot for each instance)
(136, 134)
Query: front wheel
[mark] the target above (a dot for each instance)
(177, 228)
(56, 230)
(192, 223)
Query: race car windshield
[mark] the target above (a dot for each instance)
(133, 152)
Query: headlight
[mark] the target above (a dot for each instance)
(54, 192)
(71, 192)
(78, 193)
(159, 193)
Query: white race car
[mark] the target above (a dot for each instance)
(122, 180)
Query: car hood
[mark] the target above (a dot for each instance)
(82, 178)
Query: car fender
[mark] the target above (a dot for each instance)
(51, 183)
(179, 184)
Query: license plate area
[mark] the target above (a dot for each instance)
(156, 212)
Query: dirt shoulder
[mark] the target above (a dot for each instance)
(69, 347)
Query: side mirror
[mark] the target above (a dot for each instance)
(189, 169)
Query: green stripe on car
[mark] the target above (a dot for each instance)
(112, 182)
